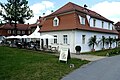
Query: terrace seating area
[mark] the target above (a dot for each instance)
(32, 45)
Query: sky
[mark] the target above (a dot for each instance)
(107, 8)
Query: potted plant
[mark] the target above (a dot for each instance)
(78, 49)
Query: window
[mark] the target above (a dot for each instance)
(94, 22)
(13, 32)
(9, 31)
(23, 32)
(108, 25)
(83, 39)
(55, 21)
(55, 39)
(29, 32)
(102, 24)
(18, 32)
(82, 20)
(65, 39)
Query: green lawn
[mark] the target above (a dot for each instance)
(19, 64)
(111, 52)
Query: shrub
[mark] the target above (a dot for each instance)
(78, 48)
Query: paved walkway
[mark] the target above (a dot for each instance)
(87, 57)
(104, 69)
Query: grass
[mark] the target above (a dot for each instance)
(111, 52)
(19, 64)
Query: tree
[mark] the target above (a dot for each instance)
(92, 42)
(15, 11)
(115, 40)
(109, 42)
(102, 41)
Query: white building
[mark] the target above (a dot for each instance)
(73, 25)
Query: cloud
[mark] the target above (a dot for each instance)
(108, 10)
(39, 9)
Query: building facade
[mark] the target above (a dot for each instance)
(73, 25)
(21, 29)
(117, 27)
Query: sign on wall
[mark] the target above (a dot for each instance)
(63, 54)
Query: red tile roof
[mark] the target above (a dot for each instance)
(71, 21)
(19, 26)
(73, 7)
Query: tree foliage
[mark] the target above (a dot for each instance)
(102, 41)
(15, 11)
(109, 41)
(92, 42)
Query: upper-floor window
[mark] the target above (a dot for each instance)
(65, 39)
(55, 39)
(23, 32)
(13, 31)
(9, 31)
(83, 39)
(94, 22)
(108, 25)
(55, 21)
(18, 32)
(102, 24)
(113, 27)
(29, 32)
(82, 20)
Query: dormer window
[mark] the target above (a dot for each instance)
(108, 25)
(102, 24)
(94, 22)
(55, 21)
(82, 20)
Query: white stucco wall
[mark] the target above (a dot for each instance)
(75, 38)
(85, 47)
(71, 39)
(1, 38)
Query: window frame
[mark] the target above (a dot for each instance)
(23, 32)
(109, 25)
(83, 39)
(9, 31)
(102, 24)
(55, 41)
(55, 21)
(65, 39)
(82, 20)
(94, 22)
(18, 32)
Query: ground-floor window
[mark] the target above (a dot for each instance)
(65, 39)
(55, 39)
(83, 39)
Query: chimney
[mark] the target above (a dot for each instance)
(85, 6)
(51, 11)
(43, 13)
(39, 17)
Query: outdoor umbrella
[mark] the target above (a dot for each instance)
(18, 36)
(47, 36)
(24, 36)
(10, 37)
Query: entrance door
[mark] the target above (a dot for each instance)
(42, 43)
